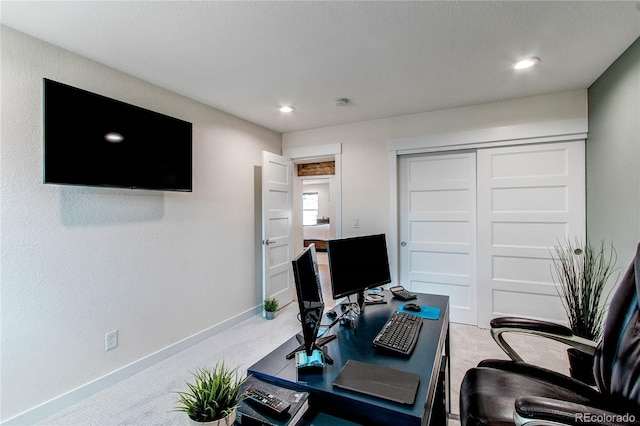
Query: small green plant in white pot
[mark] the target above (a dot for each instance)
(213, 396)
(270, 307)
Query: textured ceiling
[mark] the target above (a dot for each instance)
(389, 58)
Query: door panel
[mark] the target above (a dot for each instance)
(277, 227)
(529, 199)
(438, 227)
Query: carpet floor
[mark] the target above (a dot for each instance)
(148, 397)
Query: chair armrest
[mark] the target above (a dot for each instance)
(580, 389)
(546, 329)
(531, 324)
(541, 411)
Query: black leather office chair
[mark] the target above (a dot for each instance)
(499, 392)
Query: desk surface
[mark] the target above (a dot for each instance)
(425, 361)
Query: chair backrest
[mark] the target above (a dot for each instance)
(617, 359)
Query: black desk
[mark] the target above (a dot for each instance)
(429, 360)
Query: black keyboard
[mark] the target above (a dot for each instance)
(399, 335)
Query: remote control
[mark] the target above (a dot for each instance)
(271, 403)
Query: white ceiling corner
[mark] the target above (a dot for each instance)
(389, 58)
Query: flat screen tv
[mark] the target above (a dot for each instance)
(90, 139)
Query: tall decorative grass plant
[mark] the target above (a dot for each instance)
(582, 272)
(213, 395)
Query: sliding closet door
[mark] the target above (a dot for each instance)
(529, 198)
(437, 195)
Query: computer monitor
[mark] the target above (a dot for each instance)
(309, 294)
(357, 264)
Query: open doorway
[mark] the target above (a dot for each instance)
(329, 208)
(317, 227)
(315, 211)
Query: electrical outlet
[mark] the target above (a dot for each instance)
(355, 223)
(111, 340)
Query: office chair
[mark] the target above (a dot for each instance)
(499, 392)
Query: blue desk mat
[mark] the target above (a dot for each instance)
(427, 312)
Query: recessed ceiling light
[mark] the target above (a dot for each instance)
(114, 137)
(286, 108)
(526, 63)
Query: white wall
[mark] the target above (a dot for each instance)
(78, 262)
(365, 168)
(613, 155)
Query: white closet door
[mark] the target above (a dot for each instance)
(529, 198)
(438, 228)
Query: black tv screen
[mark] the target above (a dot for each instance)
(90, 139)
(358, 263)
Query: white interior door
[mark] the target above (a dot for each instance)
(277, 227)
(438, 228)
(529, 198)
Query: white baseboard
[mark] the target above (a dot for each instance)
(46, 409)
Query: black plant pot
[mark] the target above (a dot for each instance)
(581, 366)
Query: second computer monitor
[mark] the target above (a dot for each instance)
(309, 294)
(358, 263)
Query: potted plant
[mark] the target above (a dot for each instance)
(213, 396)
(270, 307)
(582, 272)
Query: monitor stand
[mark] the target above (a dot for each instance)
(317, 345)
(361, 301)
(349, 313)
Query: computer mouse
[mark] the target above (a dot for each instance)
(412, 307)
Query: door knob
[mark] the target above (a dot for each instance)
(403, 244)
